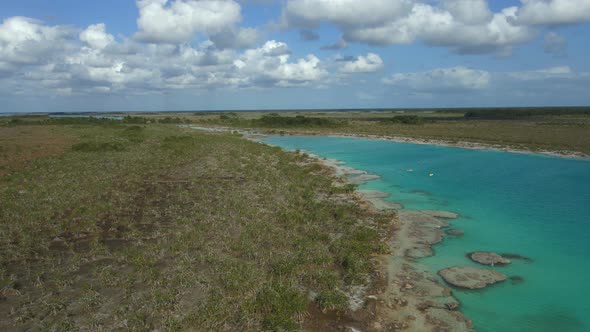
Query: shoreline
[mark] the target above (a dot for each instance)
(446, 143)
(411, 296)
(407, 295)
(403, 276)
(411, 140)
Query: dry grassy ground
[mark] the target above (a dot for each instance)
(125, 227)
(108, 225)
(19, 145)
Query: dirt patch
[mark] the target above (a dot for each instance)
(23, 144)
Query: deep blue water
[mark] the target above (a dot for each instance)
(532, 205)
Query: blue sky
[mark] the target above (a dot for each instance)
(152, 55)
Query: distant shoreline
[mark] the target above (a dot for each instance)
(411, 140)
(459, 144)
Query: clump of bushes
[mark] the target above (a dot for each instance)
(347, 188)
(275, 120)
(228, 116)
(134, 119)
(15, 122)
(406, 119)
(353, 252)
(332, 300)
(175, 120)
(178, 143)
(134, 134)
(509, 113)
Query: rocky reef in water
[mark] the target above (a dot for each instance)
(471, 277)
(488, 258)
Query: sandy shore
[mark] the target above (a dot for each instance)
(410, 296)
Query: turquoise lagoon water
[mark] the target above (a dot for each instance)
(532, 205)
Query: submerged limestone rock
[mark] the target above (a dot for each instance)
(517, 257)
(488, 258)
(516, 280)
(422, 232)
(441, 214)
(376, 198)
(471, 277)
(373, 194)
(455, 232)
(362, 178)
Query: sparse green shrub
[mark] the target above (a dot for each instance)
(16, 122)
(277, 121)
(321, 279)
(284, 266)
(332, 300)
(347, 188)
(406, 119)
(134, 120)
(315, 167)
(134, 134)
(98, 146)
(280, 306)
(354, 251)
(178, 143)
(355, 266)
(175, 120)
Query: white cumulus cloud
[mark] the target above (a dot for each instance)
(465, 26)
(554, 12)
(363, 64)
(441, 79)
(469, 11)
(35, 57)
(271, 65)
(344, 12)
(95, 36)
(177, 21)
(27, 41)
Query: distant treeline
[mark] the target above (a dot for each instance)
(274, 120)
(517, 112)
(405, 119)
(30, 121)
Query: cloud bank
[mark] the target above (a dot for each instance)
(199, 45)
(464, 26)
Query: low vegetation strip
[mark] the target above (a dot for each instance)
(275, 120)
(536, 130)
(148, 227)
(520, 113)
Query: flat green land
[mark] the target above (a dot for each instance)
(118, 226)
(554, 129)
(141, 225)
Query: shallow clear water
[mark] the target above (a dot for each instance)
(532, 205)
